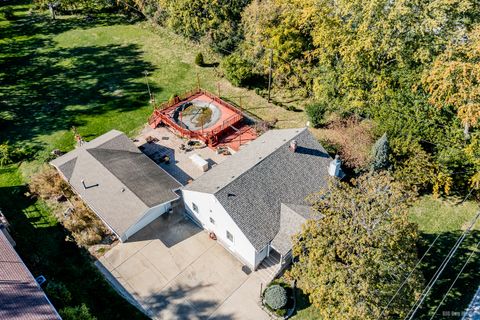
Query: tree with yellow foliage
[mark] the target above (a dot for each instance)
(353, 259)
(454, 79)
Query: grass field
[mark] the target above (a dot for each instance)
(70, 72)
(90, 74)
(447, 221)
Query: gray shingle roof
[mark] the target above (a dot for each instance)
(120, 183)
(252, 185)
(138, 173)
(290, 223)
(20, 295)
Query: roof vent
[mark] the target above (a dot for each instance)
(334, 169)
(293, 145)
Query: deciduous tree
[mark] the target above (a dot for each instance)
(355, 256)
(454, 78)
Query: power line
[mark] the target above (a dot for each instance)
(408, 277)
(439, 271)
(456, 278)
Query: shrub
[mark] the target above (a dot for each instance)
(76, 313)
(48, 184)
(316, 113)
(353, 140)
(86, 228)
(8, 13)
(413, 166)
(275, 297)
(239, 71)
(199, 61)
(58, 293)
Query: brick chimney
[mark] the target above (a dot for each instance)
(293, 145)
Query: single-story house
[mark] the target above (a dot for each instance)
(256, 201)
(126, 189)
(20, 295)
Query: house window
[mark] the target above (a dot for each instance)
(229, 236)
(212, 221)
(195, 208)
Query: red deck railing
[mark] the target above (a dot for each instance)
(161, 114)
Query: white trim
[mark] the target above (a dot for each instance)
(87, 204)
(158, 205)
(100, 217)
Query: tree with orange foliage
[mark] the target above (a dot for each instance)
(454, 79)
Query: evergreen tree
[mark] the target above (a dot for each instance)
(380, 153)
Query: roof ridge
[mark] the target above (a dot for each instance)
(117, 178)
(263, 159)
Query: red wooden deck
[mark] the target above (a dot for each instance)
(227, 131)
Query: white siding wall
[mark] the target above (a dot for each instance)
(149, 216)
(208, 206)
(262, 254)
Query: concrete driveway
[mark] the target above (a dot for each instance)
(174, 271)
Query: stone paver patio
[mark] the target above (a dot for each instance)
(181, 166)
(174, 271)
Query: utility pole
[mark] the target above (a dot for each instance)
(218, 89)
(270, 74)
(198, 82)
(51, 7)
(152, 99)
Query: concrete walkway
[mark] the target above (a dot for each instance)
(174, 271)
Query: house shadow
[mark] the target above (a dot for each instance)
(171, 228)
(157, 152)
(311, 152)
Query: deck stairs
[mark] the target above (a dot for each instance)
(269, 268)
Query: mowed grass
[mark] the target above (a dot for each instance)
(447, 220)
(89, 74)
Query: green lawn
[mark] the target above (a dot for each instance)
(448, 221)
(87, 74)
(90, 74)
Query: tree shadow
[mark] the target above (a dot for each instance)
(50, 88)
(45, 251)
(465, 287)
(29, 23)
(176, 302)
